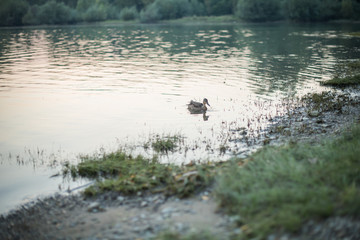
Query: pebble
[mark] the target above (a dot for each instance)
(143, 204)
(120, 199)
(94, 207)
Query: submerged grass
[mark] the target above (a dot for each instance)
(282, 187)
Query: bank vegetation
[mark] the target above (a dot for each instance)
(37, 12)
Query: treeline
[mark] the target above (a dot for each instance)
(34, 12)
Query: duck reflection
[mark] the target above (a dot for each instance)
(205, 117)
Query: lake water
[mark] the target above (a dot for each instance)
(69, 90)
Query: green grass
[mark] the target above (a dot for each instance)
(165, 144)
(343, 82)
(120, 172)
(282, 187)
(346, 74)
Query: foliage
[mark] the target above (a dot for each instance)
(150, 14)
(219, 7)
(311, 10)
(51, 12)
(282, 187)
(259, 10)
(20, 12)
(350, 9)
(11, 12)
(129, 13)
(170, 9)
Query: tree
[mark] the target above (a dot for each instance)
(220, 7)
(12, 12)
(259, 10)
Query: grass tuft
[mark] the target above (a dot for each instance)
(165, 144)
(282, 187)
(123, 173)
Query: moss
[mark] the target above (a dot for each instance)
(282, 187)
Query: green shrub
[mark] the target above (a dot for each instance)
(12, 12)
(170, 9)
(311, 10)
(129, 13)
(51, 12)
(259, 10)
(95, 13)
(219, 7)
(197, 8)
(150, 14)
(350, 9)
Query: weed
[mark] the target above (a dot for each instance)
(165, 144)
(282, 187)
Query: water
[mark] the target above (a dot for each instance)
(74, 89)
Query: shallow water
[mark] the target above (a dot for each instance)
(74, 89)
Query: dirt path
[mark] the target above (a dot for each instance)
(115, 217)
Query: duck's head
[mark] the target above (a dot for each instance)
(205, 101)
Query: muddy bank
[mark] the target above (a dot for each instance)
(144, 216)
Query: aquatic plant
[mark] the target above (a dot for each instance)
(166, 143)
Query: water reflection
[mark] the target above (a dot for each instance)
(78, 88)
(60, 77)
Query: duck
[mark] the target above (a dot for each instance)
(198, 107)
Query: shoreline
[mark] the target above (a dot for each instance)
(115, 216)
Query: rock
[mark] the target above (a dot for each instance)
(168, 211)
(313, 113)
(95, 207)
(143, 204)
